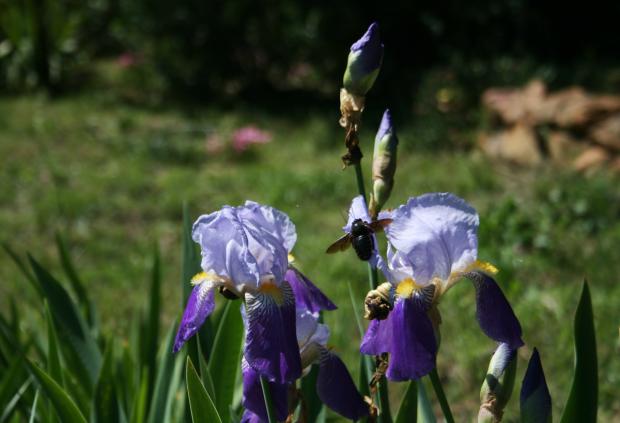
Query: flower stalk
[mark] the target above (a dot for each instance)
(441, 395)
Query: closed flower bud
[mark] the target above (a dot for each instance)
(498, 384)
(364, 62)
(535, 397)
(383, 164)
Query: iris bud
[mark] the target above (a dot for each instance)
(535, 397)
(383, 164)
(364, 62)
(498, 384)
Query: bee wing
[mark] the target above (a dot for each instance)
(341, 244)
(379, 225)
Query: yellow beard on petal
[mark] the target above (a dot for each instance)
(406, 287)
(271, 289)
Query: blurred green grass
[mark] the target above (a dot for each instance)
(113, 177)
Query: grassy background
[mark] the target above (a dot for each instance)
(112, 178)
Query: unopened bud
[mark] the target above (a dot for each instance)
(535, 397)
(498, 384)
(383, 164)
(364, 62)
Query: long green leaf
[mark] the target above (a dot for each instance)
(408, 411)
(151, 339)
(224, 362)
(165, 369)
(84, 300)
(583, 398)
(425, 408)
(33, 410)
(84, 353)
(190, 256)
(64, 405)
(105, 400)
(11, 406)
(205, 375)
(54, 366)
(313, 404)
(201, 405)
(138, 411)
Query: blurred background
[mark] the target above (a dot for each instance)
(113, 113)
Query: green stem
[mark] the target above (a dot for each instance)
(360, 179)
(441, 396)
(271, 415)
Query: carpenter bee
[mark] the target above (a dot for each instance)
(360, 237)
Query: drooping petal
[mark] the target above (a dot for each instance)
(271, 343)
(414, 345)
(307, 295)
(272, 220)
(437, 233)
(378, 337)
(249, 417)
(535, 397)
(337, 390)
(253, 399)
(199, 306)
(494, 313)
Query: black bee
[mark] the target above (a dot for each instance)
(360, 237)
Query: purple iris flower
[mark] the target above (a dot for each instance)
(334, 384)
(432, 243)
(245, 250)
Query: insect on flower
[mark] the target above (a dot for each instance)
(359, 231)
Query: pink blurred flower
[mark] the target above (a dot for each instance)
(129, 59)
(243, 137)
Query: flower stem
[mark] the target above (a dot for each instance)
(360, 179)
(441, 396)
(271, 415)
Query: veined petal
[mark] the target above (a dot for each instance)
(438, 234)
(337, 390)
(307, 295)
(494, 313)
(199, 305)
(271, 343)
(414, 345)
(225, 247)
(253, 400)
(272, 220)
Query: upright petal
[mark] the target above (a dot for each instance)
(494, 313)
(309, 330)
(358, 210)
(225, 247)
(253, 399)
(307, 295)
(272, 220)
(414, 345)
(437, 232)
(535, 397)
(337, 390)
(199, 305)
(271, 343)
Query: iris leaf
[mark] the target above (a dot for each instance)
(64, 405)
(224, 362)
(105, 400)
(583, 398)
(201, 404)
(408, 411)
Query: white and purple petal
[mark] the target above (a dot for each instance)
(272, 220)
(413, 351)
(438, 234)
(493, 311)
(307, 295)
(357, 210)
(271, 342)
(200, 305)
(253, 400)
(337, 390)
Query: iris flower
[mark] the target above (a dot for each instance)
(245, 252)
(432, 244)
(334, 385)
